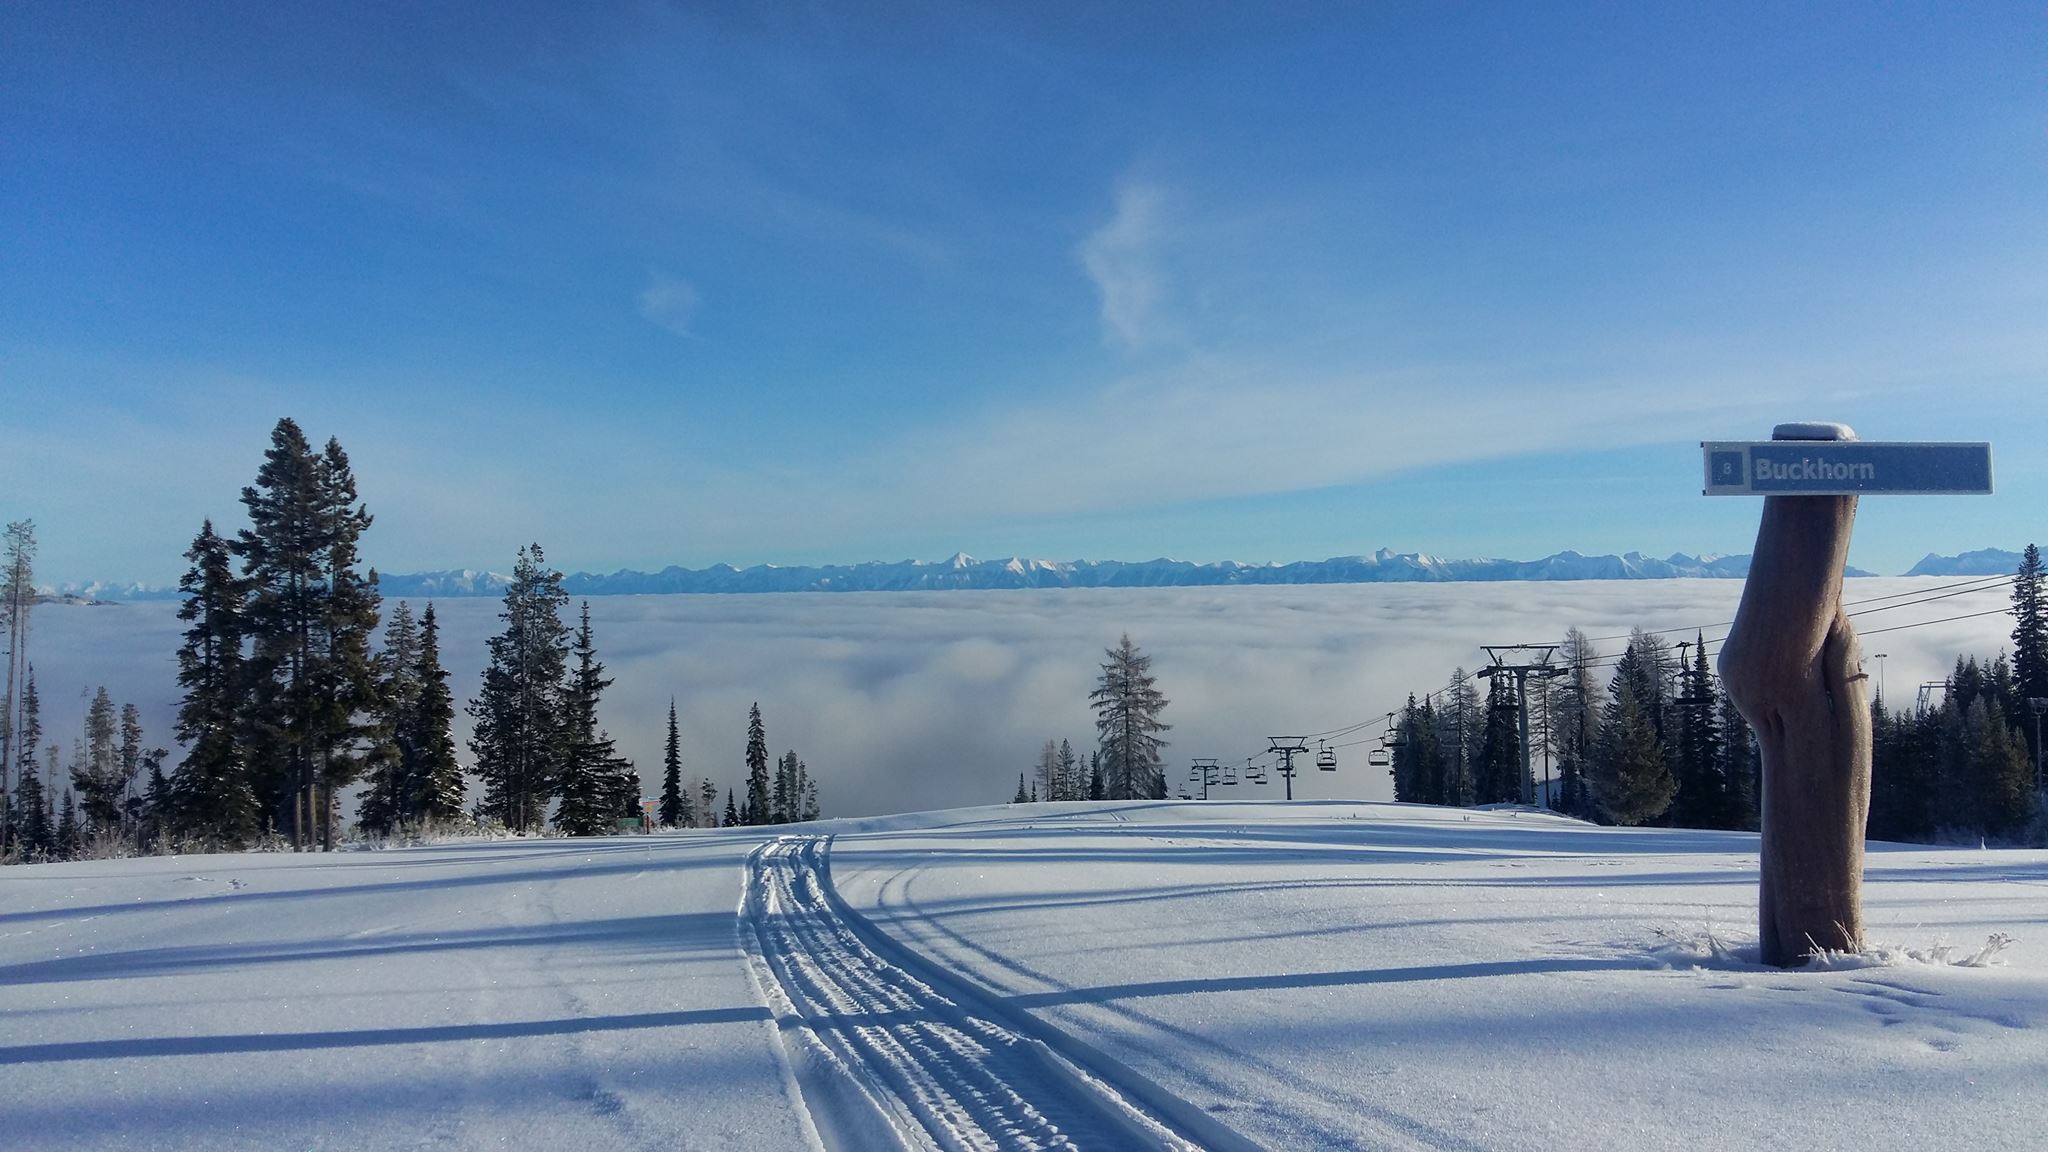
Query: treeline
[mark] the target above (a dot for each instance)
(1126, 762)
(1649, 737)
(291, 700)
(107, 797)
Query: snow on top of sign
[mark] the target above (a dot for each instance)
(1813, 430)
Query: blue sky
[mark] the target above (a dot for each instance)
(685, 284)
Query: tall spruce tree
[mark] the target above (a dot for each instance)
(97, 776)
(1072, 785)
(17, 599)
(1631, 774)
(310, 619)
(1741, 765)
(2029, 642)
(34, 836)
(756, 810)
(707, 803)
(440, 788)
(70, 833)
(389, 801)
(1128, 703)
(1461, 725)
(591, 766)
(732, 815)
(675, 801)
(807, 788)
(1703, 797)
(1497, 770)
(521, 724)
(783, 795)
(216, 799)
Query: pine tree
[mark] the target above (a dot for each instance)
(1023, 796)
(389, 801)
(1703, 799)
(519, 735)
(132, 757)
(1576, 724)
(33, 835)
(97, 774)
(1072, 786)
(675, 803)
(310, 619)
(1095, 788)
(159, 803)
(1497, 773)
(1999, 767)
(2029, 641)
(707, 795)
(757, 767)
(810, 810)
(1630, 774)
(782, 802)
(70, 833)
(1048, 769)
(1460, 728)
(216, 799)
(1127, 704)
(732, 815)
(440, 787)
(17, 600)
(1741, 768)
(591, 767)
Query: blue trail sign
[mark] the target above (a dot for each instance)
(1845, 468)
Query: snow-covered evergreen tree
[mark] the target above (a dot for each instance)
(1497, 767)
(591, 772)
(310, 618)
(1630, 773)
(1128, 703)
(214, 795)
(675, 801)
(520, 730)
(442, 788)
(757, 806)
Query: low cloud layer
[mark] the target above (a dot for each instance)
(902, 701)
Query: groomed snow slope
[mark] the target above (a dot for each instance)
(1302, 975)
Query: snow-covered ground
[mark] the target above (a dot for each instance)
(1307, 975)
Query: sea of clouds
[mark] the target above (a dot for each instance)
(905, 701)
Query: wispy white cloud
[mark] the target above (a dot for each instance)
(1123, 259)
(670, 302)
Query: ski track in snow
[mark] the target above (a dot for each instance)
(880, 1054)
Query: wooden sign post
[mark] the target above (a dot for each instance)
(1792, 666)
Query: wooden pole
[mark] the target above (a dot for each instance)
(1792, 667)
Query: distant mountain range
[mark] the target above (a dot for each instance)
(1982, 562)
(964, 572)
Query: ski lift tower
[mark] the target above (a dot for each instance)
(1542, 669)
(1287, 748)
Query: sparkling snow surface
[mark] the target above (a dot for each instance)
(1310, 975)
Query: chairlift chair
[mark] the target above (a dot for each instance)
(1230, 773)
(1326, 757)
(1379, 758)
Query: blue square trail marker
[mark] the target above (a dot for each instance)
(1845, 468)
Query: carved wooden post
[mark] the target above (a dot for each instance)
(1792, 667)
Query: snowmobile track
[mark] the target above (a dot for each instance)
(887, 1049)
